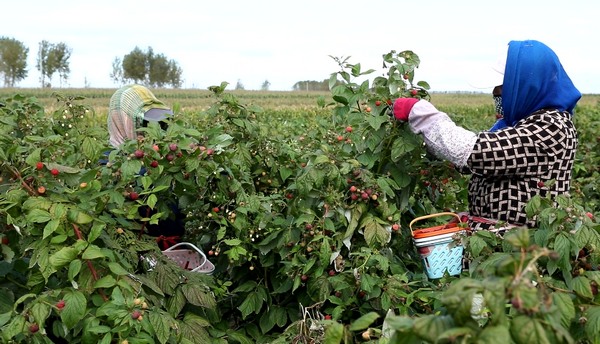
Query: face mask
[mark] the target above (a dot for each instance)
(498, 105)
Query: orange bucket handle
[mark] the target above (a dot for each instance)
(424, 217)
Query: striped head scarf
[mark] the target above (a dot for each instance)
(129, 106)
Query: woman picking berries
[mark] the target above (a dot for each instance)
(533, 142)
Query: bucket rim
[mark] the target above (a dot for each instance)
(436, 230)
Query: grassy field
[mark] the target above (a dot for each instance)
(195, 100)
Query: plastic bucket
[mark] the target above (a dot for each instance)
(436, 245)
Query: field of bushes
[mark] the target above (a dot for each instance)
(302, 201)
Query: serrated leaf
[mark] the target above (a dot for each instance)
(375, 233)
(151, 201)
(40, 312)
(105, 282)
(50, 228)
(117, 269)
(376, 121)
(176, 303)
(162, 323)
(74, 268)
(274, 315)
(432, 326)
(285, 173)
(251, 304)
(193, 328)
(198, 295)
(334, 333)
(93, 252)
(16, 326)
(525, 330)
(582, 287)
(592, 326)
(38, 216)
(75, 308)
(493, 335)
(63, 257)
(95, 231)
(79, 217)
(565, 306)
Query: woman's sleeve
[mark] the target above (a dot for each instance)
(442, 136)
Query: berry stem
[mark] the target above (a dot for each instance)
(27, 187)
(77, 232)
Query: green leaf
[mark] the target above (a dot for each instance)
(582, 287)
(432, 326)
(79, 217)
(334, 333)
(95, 231)
(592, 326)
(364, 321)
(63, 257)
(251, 304)
(193, 328)
(493, 335)
(38, 216)
(232, 242)
(162, 323)
(93, 252)
(176, 303)
(34, 157)
(285, 173)
(565, 306)
(400, 148)
(117, 269)
(74, 268)
(105, 282)
(321, 159)
(198, 295)
(75, 308)
(151, 201)
(40, 312)
(526, 330)
(50, 228)
(274, 315)
(476, 245)
(562, 245)
(376, 121)
(375, 233)
(16, 326)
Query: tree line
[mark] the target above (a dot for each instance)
(139, 66)
(143, 67)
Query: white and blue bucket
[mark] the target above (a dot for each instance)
(440, 251)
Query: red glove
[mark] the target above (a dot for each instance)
(402, 107)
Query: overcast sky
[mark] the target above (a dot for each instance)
(289, 41)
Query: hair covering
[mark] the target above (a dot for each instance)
(534, 79)
(129, 106)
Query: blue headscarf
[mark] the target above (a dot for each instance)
(534, 79)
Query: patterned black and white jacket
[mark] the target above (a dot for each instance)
(509, 166)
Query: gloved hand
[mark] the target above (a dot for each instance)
(402, 107)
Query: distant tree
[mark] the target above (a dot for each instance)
(158, 70)
(174, 75)
(135, 66)
(239, 86)
(265, 85)
(42, 64)
(13, 61)
(311, 85)
(117, 71)
(147, 68)
(53, 58)
(60, 55)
